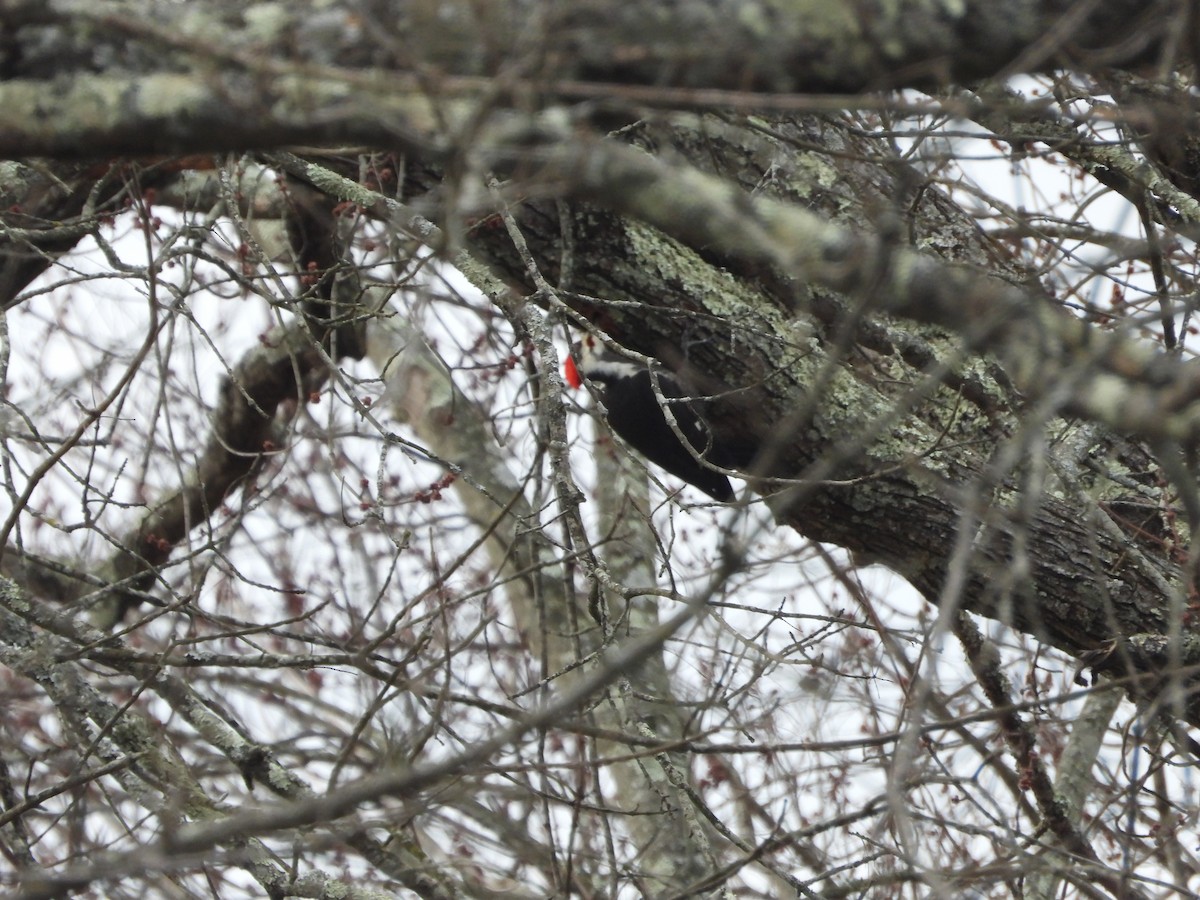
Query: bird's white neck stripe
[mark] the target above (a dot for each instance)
(601, 369)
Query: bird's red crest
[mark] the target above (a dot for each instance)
(571, 372)
(583, 350)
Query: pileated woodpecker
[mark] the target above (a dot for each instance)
(635, 414)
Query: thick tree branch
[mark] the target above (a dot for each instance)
(285, 80)
(246, 431)
(796, 47)
(1128, 385)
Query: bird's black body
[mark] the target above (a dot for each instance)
(636, 414)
